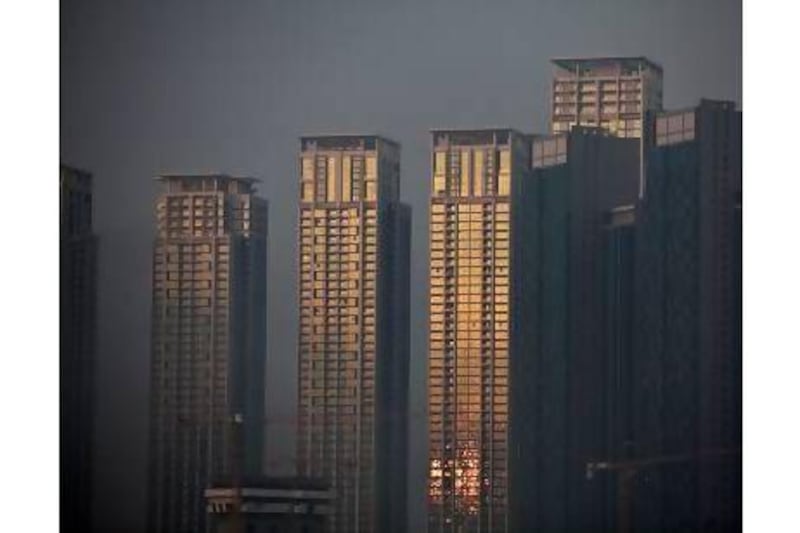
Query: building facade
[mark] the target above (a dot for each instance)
(353, 346)
(619, 274)
(613, 93)
(77, 330)
(476, 320)
(269, 505)
(208, 343)
(688, 322)
(574, 393)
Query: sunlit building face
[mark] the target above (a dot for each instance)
(470, 246)
(613, 93)
(353, 302)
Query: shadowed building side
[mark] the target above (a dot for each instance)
(688, 321)
(575, 392)
(78, 341)
(619, 259)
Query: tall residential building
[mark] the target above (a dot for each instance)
(353, 346)
(613, 93)
(576, 393)
(77, 315)
(687, 330)
(479, 247)
(208, 343)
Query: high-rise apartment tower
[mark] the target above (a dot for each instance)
(208, 343)
(77, 315)
(478, 253)
(353, 340)
(687, 321)
(577, 395)
(613, 93)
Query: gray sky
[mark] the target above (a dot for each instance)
(150, 87)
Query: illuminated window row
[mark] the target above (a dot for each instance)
(499, 407)
(338, 177)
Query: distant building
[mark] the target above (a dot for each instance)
(574, 401)
(479, 248)
(688, 321)
(353, 346)
(613, 93)
(269, 505)
(78, 318)
(208, 343)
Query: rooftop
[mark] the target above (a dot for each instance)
(476, 130)
(474, 137)
(354, 141)
(704, 103)
(212, 175)
(571, 63)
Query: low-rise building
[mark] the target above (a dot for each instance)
(269, 505)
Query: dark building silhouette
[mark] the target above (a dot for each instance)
(574, 397)
(637, 326)
(687, 322)
(208, 343)
(269, 505)
(77, 337)
(353, 346)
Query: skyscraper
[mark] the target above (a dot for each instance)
(208, 343)
(613, 93)
(688, 321)
(478, 245)
(353, 346)
(77, 315)
(574, 394)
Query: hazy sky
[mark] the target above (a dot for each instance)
(151, 87)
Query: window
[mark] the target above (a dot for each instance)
(505, 161)
(308, 192)
(465, 175)
(504, 184)
(371, 168)
(371, 192)
(307, 168)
